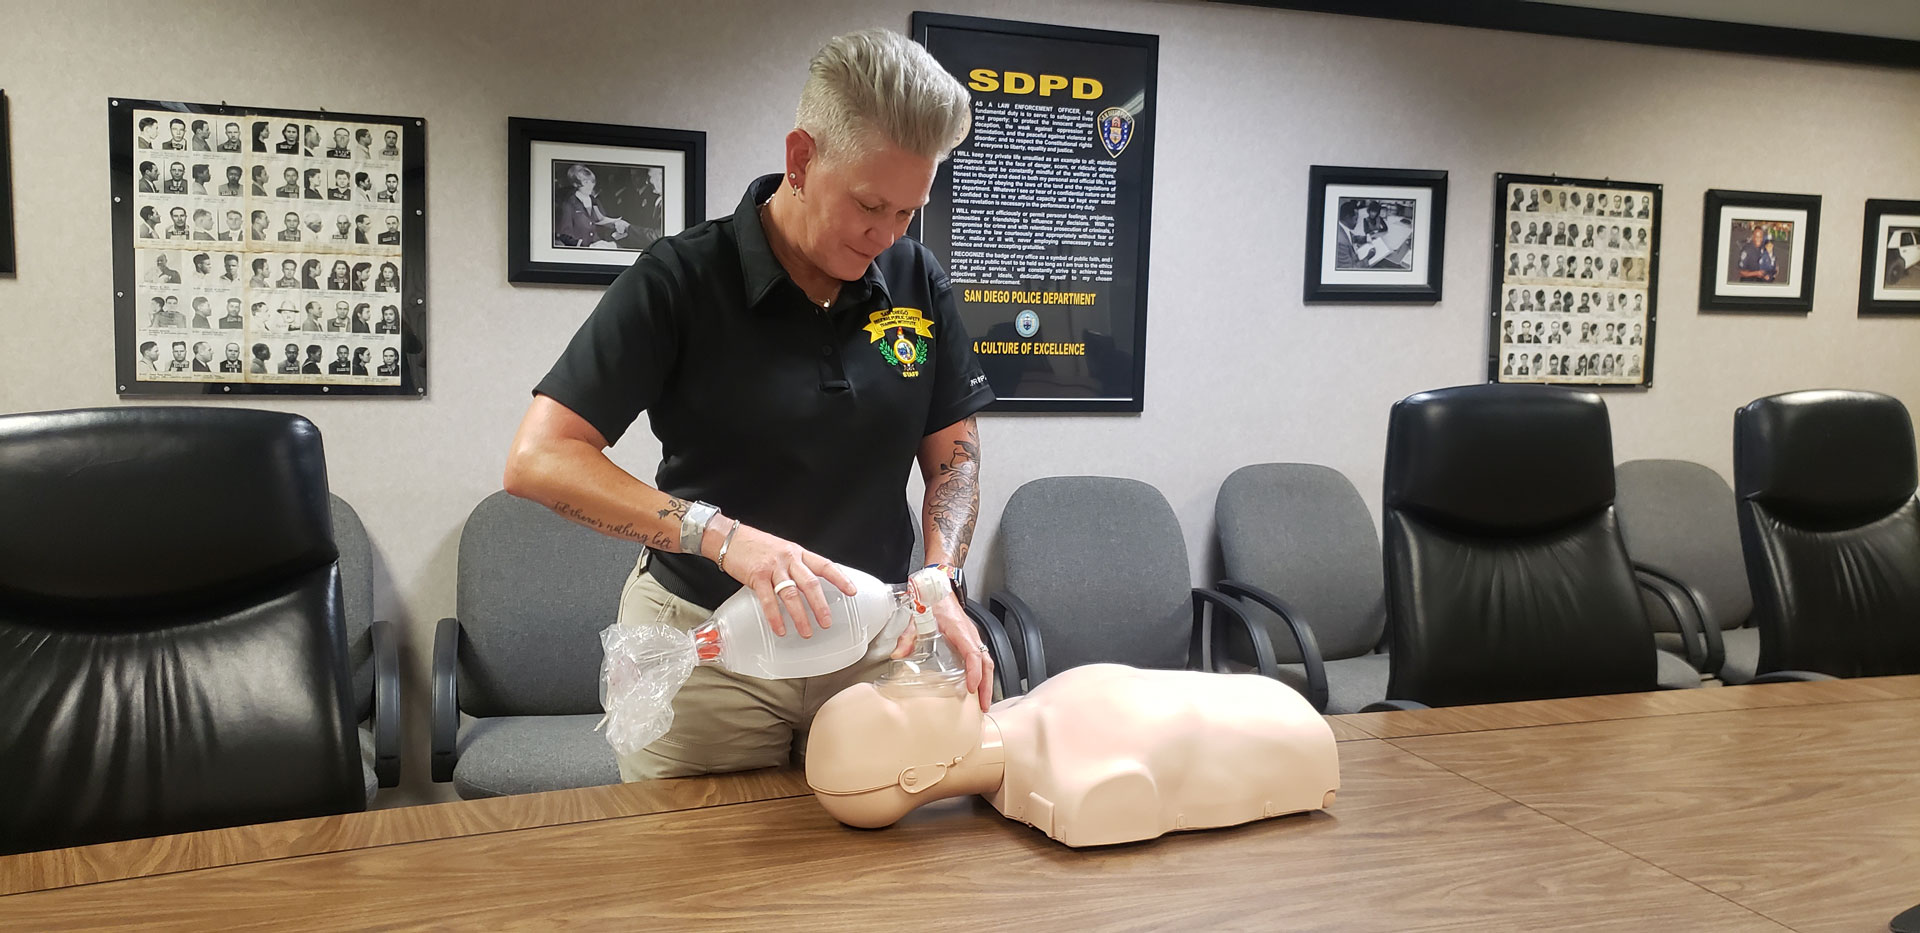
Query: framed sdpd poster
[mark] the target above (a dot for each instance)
(266, 251)
(1041, 215)
(1576, 262)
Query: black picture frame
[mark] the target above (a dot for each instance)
(409, 208)
(1048, 343)
(1890, 258)
(1634, 286)
(1718, 294)
(6, 190)
(1426, 251)
(531, 262)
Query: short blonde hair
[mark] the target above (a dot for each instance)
(877, 84)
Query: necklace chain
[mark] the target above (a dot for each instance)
(764, 210)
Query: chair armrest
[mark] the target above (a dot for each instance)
(1256, 635)
(1713, 652)
(446, 699)
(1393, 706)
(1302, 637)
(1006, 667)
(1787, 677)
(1019, 620)
(386, 704)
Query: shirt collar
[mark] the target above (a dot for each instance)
(763, 274)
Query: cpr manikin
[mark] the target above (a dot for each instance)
(1096, 755)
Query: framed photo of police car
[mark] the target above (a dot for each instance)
(1758, 251)
(1890, 258)
(1375, 234)
(6, 192)
(584, 200)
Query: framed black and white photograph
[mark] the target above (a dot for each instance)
(1375, 234)
(1576, 265)
(1758, 250)
(267, 251)
(585, 200)
(6, 191)
(1890, 258)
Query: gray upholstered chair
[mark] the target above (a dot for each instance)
(522, 655)
(1299, 546)
(1681, 529)
(371, 650)
(1096, 570)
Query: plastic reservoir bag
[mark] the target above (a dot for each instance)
(644, 666)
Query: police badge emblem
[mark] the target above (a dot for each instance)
(1115, 128)
(902, 335)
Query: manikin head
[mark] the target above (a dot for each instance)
(875, 754)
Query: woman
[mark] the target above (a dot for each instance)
(262, 136)
(361, 355)
(577, 218)
(389, 280)
(876, 117)
(310, 274)
(360, 325)
(389, 321)
(362, 271)
(339, 280)
(389, 362)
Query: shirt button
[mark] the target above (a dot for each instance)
(826, 349)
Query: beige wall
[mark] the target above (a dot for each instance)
(1239, 371)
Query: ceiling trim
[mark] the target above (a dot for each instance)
(1550, 19)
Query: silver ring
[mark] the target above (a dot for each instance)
(783, 586)
(982, 649)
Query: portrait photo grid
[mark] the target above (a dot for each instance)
(266, 249)
(1574, 294)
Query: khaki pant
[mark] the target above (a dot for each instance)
(724, 721)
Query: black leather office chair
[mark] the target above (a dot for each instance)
(1831, 531)
(1506, 577)
(171, 630)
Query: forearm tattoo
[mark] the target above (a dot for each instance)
(676, 509)
(953, 500)
(625, 531)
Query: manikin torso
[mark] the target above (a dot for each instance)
(1096, 755)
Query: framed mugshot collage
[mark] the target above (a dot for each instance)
(1575, 264)
(267, 251)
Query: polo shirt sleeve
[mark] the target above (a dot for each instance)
(619, 360)
(960, 386)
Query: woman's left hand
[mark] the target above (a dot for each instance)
(961, 633)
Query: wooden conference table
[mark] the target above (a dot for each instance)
(1789, 806)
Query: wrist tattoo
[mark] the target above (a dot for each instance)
(624, 531)
(676, 509)
(953, 501)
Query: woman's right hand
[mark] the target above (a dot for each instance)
(782, 573)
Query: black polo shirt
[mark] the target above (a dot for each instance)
(797, 421)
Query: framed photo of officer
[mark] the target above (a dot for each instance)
(6, 191)
(584, 200)
(1890, 258)
(1758, 251)
(1576, 264)
(1375, 234)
